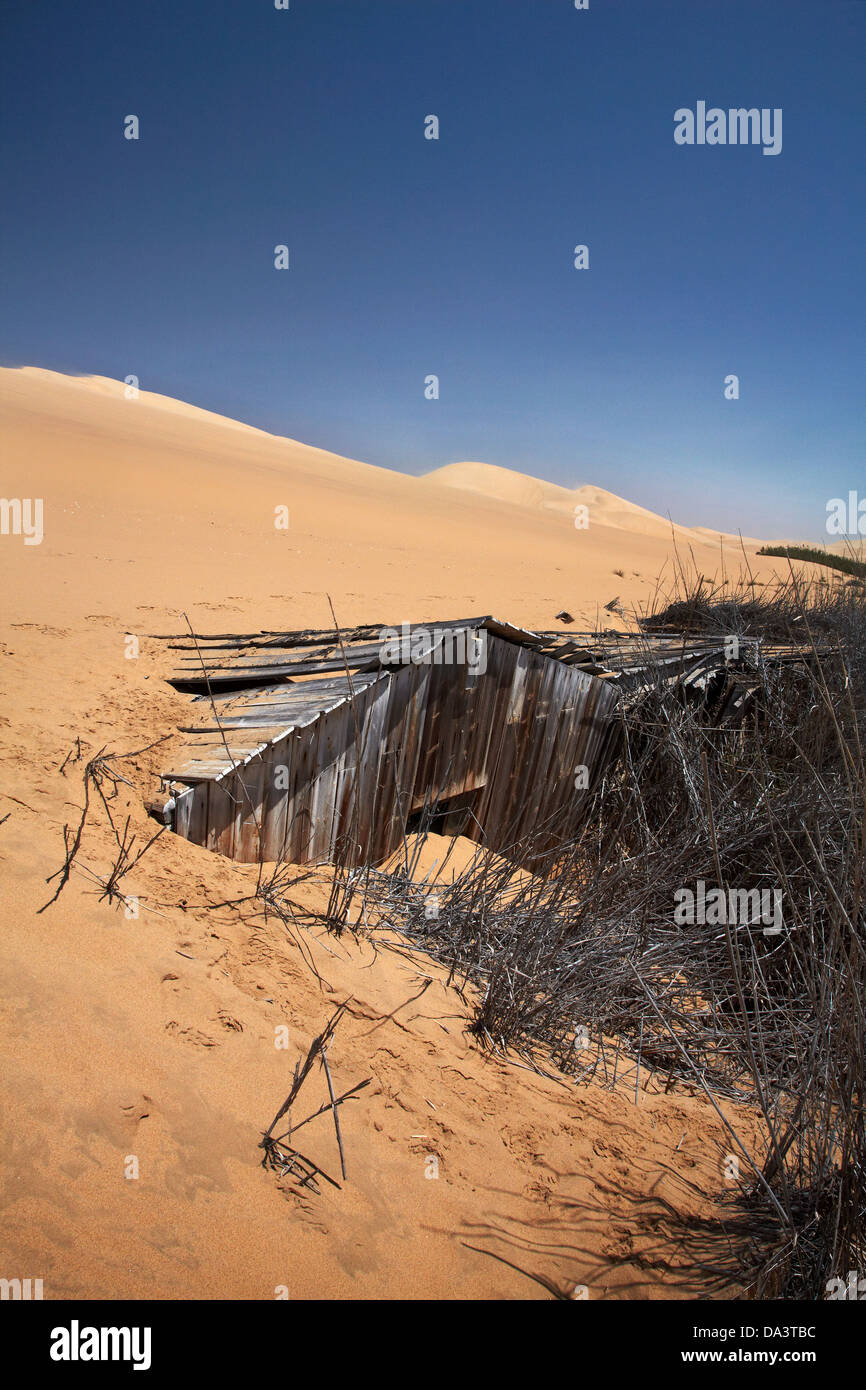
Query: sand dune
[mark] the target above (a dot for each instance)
(501, 485)
(121, 391)
(161, 503)
(604, 508)
(154, 1037)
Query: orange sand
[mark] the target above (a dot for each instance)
(155, 1037)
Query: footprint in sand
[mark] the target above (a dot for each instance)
(189, 1035)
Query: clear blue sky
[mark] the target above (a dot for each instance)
(410, 257)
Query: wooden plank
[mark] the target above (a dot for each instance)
(360, 832)
(223, 808)
(198, 813)
(399, 754)
(300, 828)
(333, 734)
(501, 663)
(275, 801)
(531, 772)
(183, 803)
(246, 829)
(511, 683)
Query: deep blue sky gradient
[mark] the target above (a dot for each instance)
(412, 257)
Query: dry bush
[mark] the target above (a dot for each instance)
(773, 800)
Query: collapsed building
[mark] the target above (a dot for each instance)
(323, 746)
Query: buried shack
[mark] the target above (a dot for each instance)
(325, 746)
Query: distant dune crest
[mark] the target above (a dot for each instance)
(126, 410)
(605, 508)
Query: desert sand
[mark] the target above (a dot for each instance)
(154, 1038)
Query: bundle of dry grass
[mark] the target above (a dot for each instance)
(766, 1009)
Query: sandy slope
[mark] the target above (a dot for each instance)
(603, 508)
(155, 1037)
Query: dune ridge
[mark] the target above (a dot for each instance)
(604, 508)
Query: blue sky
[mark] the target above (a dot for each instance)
(455, 257)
